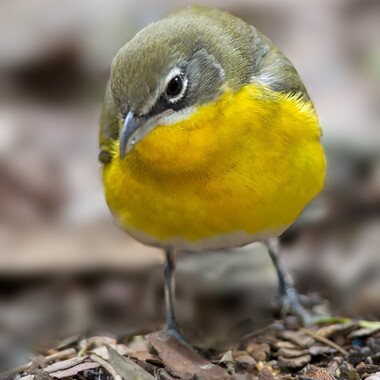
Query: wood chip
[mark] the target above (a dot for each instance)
(64, 364)
(298, 338)
(291, 352)
(294, 363)
(126, 368)
(74, 370)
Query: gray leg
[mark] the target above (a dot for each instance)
(289, 296)
(171, 327)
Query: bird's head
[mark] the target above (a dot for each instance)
(173, 67)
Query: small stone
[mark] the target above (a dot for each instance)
(245, 363)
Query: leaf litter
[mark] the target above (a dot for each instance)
(340, 350)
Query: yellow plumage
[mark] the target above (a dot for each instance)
(239, 168)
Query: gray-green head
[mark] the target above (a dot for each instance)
(174, 65)
(185, 60)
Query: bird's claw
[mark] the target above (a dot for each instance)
(291, 304)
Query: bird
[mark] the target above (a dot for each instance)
(208, 140)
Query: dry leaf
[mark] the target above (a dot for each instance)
(182, 361)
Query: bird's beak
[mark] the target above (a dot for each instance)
(135, 128)
(128, 133)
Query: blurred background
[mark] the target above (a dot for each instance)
(66, 270)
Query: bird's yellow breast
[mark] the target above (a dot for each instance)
(244, 165)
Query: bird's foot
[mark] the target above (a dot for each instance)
(291, 304)
(173, 330)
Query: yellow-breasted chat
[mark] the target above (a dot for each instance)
(208, 140)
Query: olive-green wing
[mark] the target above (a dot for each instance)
(109, 126)
(269, 65)
(272, 68)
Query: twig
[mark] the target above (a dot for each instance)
(60, 355)
(107, 366)
(326, 341)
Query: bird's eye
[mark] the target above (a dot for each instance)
(174, 87)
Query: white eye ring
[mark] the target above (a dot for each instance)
(176, 72)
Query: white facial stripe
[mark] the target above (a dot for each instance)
(176, 117)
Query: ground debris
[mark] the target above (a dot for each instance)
(278, 352)
(316, 373)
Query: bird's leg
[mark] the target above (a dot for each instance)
(172, 326)
(290, 298)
